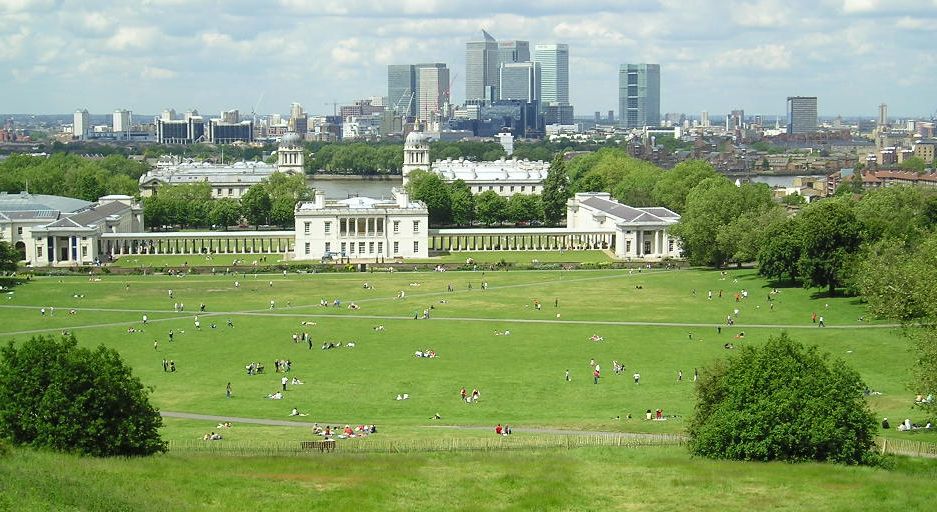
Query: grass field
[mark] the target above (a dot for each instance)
(655, 322)
(579, 479)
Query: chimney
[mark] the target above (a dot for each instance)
(320, 200)
(403, 199)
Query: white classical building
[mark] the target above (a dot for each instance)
(639, 232)
(361, 228)
(505, 177)
(61, 231)
(230, 180)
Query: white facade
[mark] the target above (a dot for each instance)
(121, 121)
(227, 181)
(361, 228)
(81, 124)
(639, 232)
(506, 177)
(61, 231)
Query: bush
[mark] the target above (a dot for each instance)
(782, 401)
(54, 394)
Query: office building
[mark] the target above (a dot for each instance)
(222, 132)
(121, 122)
(735, 120)
(801, 114)
(230, 116)
(554, 73)
(611, 116)
(639, 95)
(883, 115)
(401, 89)
(704, 119)
(432, 89)
(481, 68)
(554, 113)
(81, 124)
(513, 51)
(181, 131)
(299, 121)
(520, 81)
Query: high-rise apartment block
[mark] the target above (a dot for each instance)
(801, 114)
(639, 95)
(81, 124)
(520, 81)
(481, 68)
(704, 119)
(121, 121)
(554, 73)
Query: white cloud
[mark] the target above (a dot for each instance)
(767, 57)
(9, 6)
(853, 6)
(763, 14)
(133, 38)
(156, 73)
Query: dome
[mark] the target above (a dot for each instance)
(291, 139)
(417, 138)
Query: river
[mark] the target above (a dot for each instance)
(343, 187)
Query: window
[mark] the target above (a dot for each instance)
(306, 227)
(39, 251)
(84, 251)
(308, 247)
(19, 230)
(533, 188)
(396, 226)
(343, 226)
(370, 247)
(396, 248)
(328, 247)
(230, 191)
(351, 248)
(218, 192)
(416, 247)
(500, 188)
(512, 188)
(669, 245)
(522, 188)
(479, 188)
(360, 247)
(416, 226)
(328, 227)
(380, 247)
(343, 248)
(380, 226)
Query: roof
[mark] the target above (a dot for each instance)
(39, 202)
(498, 170)
(92, 215)
(627, 214)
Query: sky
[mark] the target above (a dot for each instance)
(147, 55)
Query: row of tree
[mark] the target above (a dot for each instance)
(68, 175)
(454, 203)
(191, 205)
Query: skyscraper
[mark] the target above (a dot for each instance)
(121, 121)
(520, 81)
(554, 73)
(433, 89)
(883, 115)
(481, 68)
(801, 114)
(704, 119)
(639, 95)
(81, 124)
(401, 89)
(513, 51)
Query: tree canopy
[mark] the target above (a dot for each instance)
(68, 175)
(782, 401)
(55, 394)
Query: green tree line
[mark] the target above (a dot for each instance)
(71, 175)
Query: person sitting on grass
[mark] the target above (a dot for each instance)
(276, 395)
(295, 412)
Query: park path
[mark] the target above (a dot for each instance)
(287, 423)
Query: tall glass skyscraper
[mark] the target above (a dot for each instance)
(554, 73)
(513, 51)
(801, 114)
(520, 81)
(481, 68)
(401, 89)
(639, 95)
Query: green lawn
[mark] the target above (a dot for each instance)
(522, 257)
(193, 260)
(520, 376)
(579, 479)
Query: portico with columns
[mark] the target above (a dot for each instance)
(638, 232)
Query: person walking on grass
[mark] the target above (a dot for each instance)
(227, 390)
(567, 375)
(283, 381)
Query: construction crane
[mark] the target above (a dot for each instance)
(335, 105)
(408, 94)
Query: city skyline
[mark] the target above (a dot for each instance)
(63, 55)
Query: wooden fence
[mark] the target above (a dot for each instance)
(908, 447)
(376, 444)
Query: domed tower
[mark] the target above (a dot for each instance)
(290, 154)
(415, 154)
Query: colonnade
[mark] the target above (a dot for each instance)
(119, 244)
(490, 240)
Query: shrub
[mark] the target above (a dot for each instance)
(782, 401)
(54, 394)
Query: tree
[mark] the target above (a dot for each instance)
(743, 237)
(915, 164)
(830, 235)
(780, 251)
(463, 203)
(54, 394)
(431, 189)
(782, 401)
(256, 205)
(524, 208)
(225, 212)
(285, 191)
(673, 187)
(490, 207)
(555, 192)
(892, 212)
(9, 257)
(637, 187)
